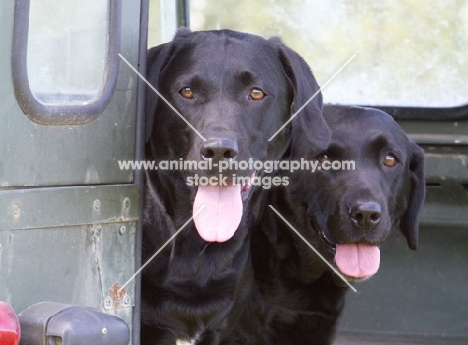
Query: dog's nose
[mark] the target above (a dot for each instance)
(219, 149)
(365, 215)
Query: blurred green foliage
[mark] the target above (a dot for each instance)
(409, 52)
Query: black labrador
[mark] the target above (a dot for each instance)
(236, 90)
(345, 214)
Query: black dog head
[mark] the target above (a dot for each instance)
(355, 210)
(236, 90)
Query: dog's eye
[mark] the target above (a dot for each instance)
(256, 94)
(323, 157)
(186, 92)
(390, 160)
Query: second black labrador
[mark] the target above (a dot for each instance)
(236, 90)
(345, 214)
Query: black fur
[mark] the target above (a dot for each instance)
(297, 299)
(194, 289)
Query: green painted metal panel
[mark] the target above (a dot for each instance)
(73, 245)
(68, 214)
(76, 265)
(416, 295)
(33, 154)
(446, 168)
(446, 201)
(36, 208)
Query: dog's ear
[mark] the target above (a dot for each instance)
(409, 223)
(155, 61)
(309, 122)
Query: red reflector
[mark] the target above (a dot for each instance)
(9, 326)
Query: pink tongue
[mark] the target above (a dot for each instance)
(222, 213)
(357, 260)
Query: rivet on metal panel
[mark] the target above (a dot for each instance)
(96, 230)
(126, 203)
(126, 301)
(122, 229)
(108, 303)
(16, 210)
(97, 205)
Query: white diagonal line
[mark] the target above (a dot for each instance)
(312, 247)
(313, 96)
(162, 247)
(165, 100)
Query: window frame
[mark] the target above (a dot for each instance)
(51, 114)
(422, 113)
